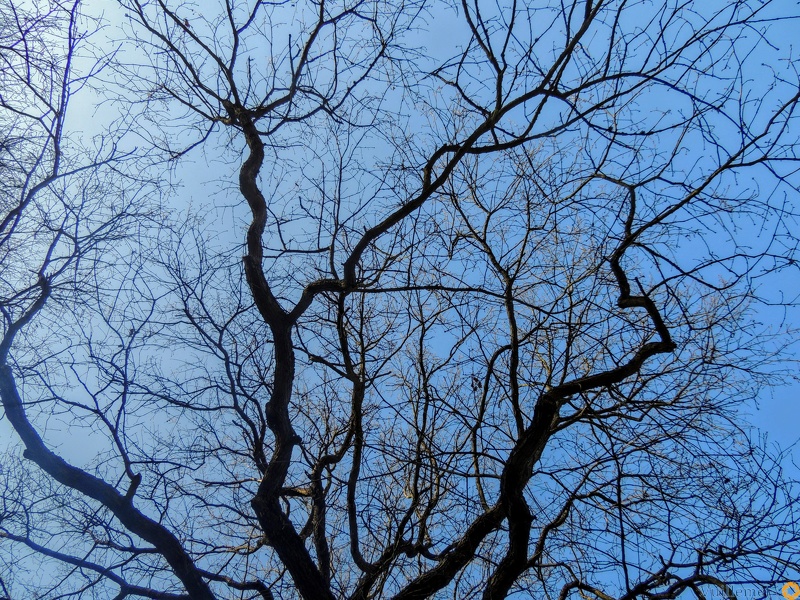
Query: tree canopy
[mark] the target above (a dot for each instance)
(396, 298)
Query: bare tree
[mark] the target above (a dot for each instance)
(478, 316)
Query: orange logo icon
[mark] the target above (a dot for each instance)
(790, 590)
